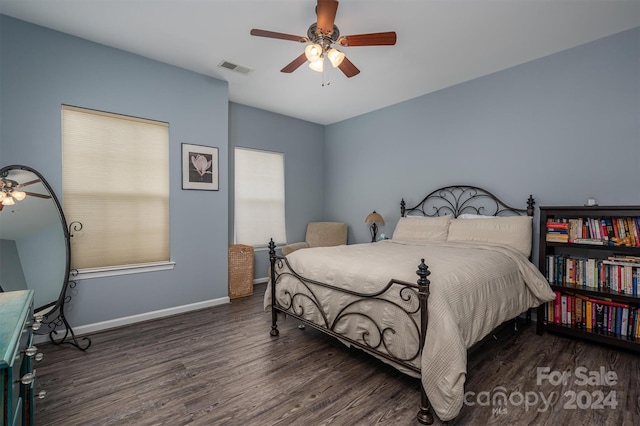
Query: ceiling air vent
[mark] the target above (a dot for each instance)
(233, 67)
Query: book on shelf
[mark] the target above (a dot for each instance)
(619, 227)
(627, 229)
(605, 229)
(558, 225)
(596, 231)
(578, 307)
(557, 231)
(599, 320)
(600, 315)
(620, 262)
(633, 318)
(594, 274)
(625, 259)
(609, 226)
(557, 238)
(592, 241)
(577, 228)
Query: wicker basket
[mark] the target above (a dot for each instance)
(240, 271)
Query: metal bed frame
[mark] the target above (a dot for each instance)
(454, 200)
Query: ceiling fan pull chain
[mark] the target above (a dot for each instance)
(328, 82)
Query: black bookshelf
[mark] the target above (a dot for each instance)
(602, 338)
(598, 252)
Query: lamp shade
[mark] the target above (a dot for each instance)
(317, 65)
(18, 195)
(335, 57)
(313, 52)
(374, 218)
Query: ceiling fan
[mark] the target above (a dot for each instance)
(9, 191)
(322, 36)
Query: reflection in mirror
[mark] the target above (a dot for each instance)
(34, 244)
(32, 240)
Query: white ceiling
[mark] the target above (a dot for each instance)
(440, 42)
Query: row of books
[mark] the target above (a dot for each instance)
(594, 230)
(616, 273)
(593, 314)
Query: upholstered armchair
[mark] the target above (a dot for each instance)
(320, 234)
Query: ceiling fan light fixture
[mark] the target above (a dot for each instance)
(335, 57)
(317, 65)
(313, 52)
(324, 33)
(18, 195)
(8, 201)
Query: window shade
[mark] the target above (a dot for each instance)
(259, 197)
(116, 183)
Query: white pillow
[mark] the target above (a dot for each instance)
(474, 216)
(418, 228)
(512, 231)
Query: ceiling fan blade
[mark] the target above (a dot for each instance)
(28, 183)
(326, 11)
(295, 64)
(348, 68)
(373, 39)
(33, 194)
(280, 36)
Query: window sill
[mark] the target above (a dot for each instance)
(89, 273)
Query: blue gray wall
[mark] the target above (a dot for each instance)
(42, 69)
(302, 143)
(563, 128)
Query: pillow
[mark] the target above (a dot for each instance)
(512, 231)
(474, 216)
(418, 228)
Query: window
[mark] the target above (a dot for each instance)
(116, 183)
(259, 197)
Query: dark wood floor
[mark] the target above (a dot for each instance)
(219, 366)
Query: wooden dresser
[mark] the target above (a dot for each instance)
(17, 376)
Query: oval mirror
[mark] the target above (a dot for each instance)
(34, 239)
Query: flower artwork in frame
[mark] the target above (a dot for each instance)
(199, 167)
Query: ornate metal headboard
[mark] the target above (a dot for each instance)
(460, 199)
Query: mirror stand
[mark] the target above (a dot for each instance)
(60, 320)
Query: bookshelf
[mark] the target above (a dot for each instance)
(591, 258)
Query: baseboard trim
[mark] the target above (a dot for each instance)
(261, 280)
(132, 319)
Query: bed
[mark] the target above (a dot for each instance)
(456, 267)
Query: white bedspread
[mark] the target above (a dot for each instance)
(474, 288)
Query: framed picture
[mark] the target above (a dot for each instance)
(199, 167)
